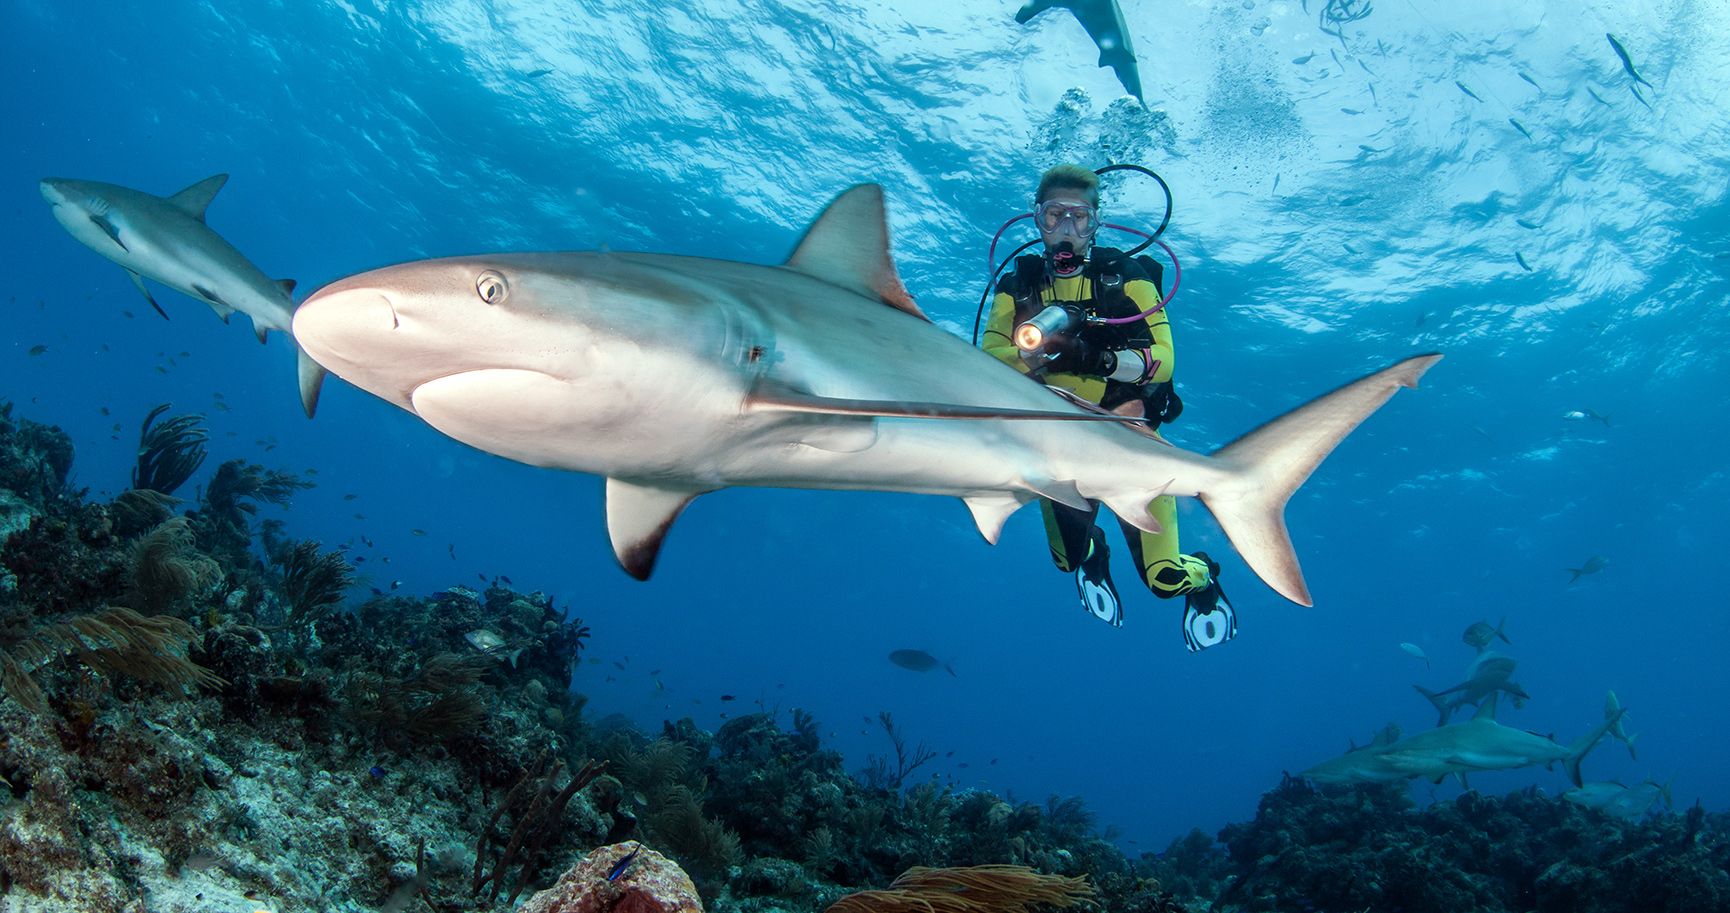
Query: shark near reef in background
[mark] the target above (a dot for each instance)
(166, 239)
(673, 376)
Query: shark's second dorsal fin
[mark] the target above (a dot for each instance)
(1486, 708)
(196, 199)
(848, 246)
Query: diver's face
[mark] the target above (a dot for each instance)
(1067, 223)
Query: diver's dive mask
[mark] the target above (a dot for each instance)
(1067, 227)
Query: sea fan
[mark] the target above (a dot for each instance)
(115, 641)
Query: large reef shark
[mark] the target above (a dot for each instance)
(1461, 749)
(1103, 20)
(674, 376)
(166, 239)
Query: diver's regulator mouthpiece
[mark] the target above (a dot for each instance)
(1054, 320)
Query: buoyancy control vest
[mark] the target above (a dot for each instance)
(1107, 271)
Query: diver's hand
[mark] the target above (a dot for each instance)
(1076, 354)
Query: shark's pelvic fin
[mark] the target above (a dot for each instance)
(138, 281)
(310, 376)
(195, 199)
(1268, 464)
(773, 396)
(848, 246)
(638, 517)
(222, 308)
(992, 509)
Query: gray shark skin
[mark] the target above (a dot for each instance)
(674, 376)
(166, 239)
(1488, 674)
(1460, 749)
(1103, 20)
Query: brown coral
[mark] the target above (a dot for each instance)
(968, 889)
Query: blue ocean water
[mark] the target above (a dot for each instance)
(1341, 202)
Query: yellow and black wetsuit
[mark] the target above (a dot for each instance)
(1118, 289)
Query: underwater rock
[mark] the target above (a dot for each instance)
(647, 883)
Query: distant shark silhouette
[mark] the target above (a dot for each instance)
(1103, 20)
(674, 376)
(166, 239)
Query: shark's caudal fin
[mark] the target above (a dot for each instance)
(1269, 464)
(1436, 699)
(1617, 731)
(1582, 745)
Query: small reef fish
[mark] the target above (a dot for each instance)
(618, 869)
(1479, 634)
(1352, 111)
(1595, 96)
(491, 644)
(1627, 62)
(38, 349)
(1469, 92)
(1525, 224)
(537, 74)
(1534, 82)
(917, 661)
(1581, 415)
(1520, 127)
(1416, 651)
(1521, 259)
(1592, 566)
(1300, 61)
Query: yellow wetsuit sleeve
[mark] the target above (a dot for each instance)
(997, 329)
(1146, 295)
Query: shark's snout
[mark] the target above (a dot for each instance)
(52, 191)
(338, 318)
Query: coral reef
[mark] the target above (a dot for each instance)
(197, 714)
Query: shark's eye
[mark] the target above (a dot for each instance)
(490, 285)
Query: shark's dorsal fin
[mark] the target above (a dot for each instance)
(196, 199)
(638, 517)
(848, 246)
(1486, 708)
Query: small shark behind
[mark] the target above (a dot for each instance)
(1488, 674)
(1460, 749)
(1103, 20)
(675, 376)
(166, 239)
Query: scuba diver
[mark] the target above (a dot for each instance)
(1089, 321)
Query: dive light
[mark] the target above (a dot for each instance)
(1054, 320)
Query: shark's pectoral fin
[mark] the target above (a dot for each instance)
(110, 229)
(195, 199)
(258, 329)
(771, 396)
(848, 246)
(638, 518)
(991, 509)
(138, 281)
